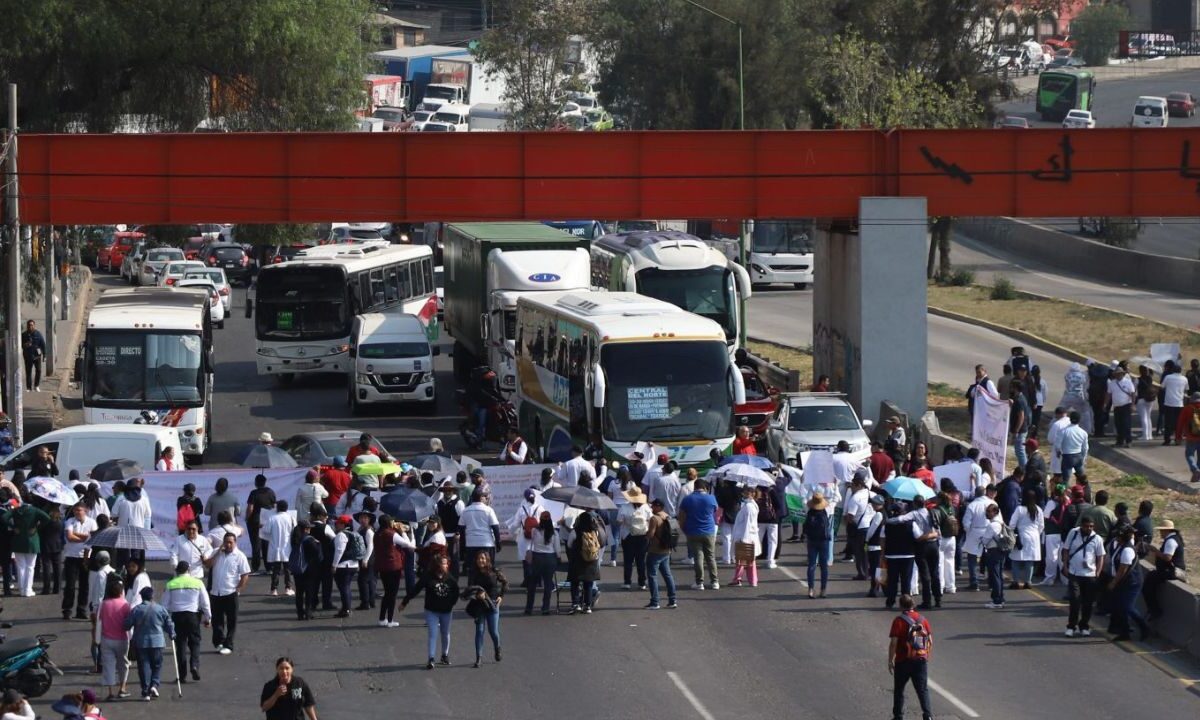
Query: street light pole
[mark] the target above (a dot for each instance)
(741, 126)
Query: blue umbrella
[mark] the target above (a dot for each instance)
(408, 504)
(906, 488)
(266, 456)
(757, 461)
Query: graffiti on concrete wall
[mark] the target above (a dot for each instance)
(835, 354)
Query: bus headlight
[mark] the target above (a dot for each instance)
(188, 433)
(338, 349)
(363, 379)
(758, 268)
(268, 352)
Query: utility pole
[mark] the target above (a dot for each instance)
(13, 338)
(48, 298)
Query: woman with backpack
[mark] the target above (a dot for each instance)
(746, 545)
(583, 561)
(441, 595)
(485, 592)
(818, 529)
(633, 524)
(1029, 525)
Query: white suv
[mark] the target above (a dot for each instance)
(814, 421)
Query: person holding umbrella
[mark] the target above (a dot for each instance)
(745, 539)
(152, 627)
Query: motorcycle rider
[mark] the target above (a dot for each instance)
(482, 393)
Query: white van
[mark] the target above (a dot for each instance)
(393, 361)
(83, 447)
(449, 118)
(1150, 111)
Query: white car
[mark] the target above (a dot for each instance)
(814, 421)
(420, 117)
(1150, 111)
(152, 262)
(216, 309)
(173, 272)
(130, 262)
(1079, 119)
(217, 276)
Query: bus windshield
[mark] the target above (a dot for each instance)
(707, 292)
(781, 237)
(130, 369)
(673, 390)
(302, 303)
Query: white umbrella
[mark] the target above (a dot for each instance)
(51, 489)
(742, 474)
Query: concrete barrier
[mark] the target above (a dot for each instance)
(1082, 256)
(1180, 622)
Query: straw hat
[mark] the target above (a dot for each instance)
(635, 495)
(1166, 525)
(817, 502)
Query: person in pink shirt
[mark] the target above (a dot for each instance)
(114, 643)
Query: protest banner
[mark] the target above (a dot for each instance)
(989, 429)
(957, 473)
(508, 483)
(817, 466)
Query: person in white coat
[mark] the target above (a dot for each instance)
(279, 529)
(746, 545)
(1028, 523)
(975, 524)
(1055, 516)
(530, 509)
(1053, 435)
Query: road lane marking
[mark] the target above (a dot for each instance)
(964, 708)
(691, 697)
(788, 571)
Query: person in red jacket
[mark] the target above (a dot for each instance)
(881, 463)
(743, 443)
(1188, 430)
(336, 481)
(366, 445)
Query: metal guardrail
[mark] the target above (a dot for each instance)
(775, 375)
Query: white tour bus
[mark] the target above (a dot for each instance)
(304, 308)
(781, 251)
(624, 369)
(147, 358)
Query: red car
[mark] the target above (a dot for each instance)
(760, 405)
(1181, 104)
(111, 256)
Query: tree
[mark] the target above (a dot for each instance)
(528, 48)
(162, 64)
(275, 234)
(1096, 31)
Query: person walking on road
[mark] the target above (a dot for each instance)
(1054, 514)
(33, 348)
(818, 530)
(1146, 395)
(230, 574)
(25, 523)
(1187, 429)
(193, 548)
(1174, 395)
(746, 545)
(186, 599)
(479, 530)
(1083, 558)
(994, 556)
(277, 547)
(1073, 448)
(348, 551)
(698, 522)
(909, 648)
(286, 696)
(485, 592)
(78, 529)
(974, 523)
(305, 561)
(633, 524)
(441, 595)
(260, 498)
(658, 556)
(1029, 525)
(388, 548)
(220, 501)
(152, 628)
(1125, 588)
(309, 494)
(926, 529)
(543, 562)
(1121, 395)
(114, 642)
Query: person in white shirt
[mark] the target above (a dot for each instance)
(345, 564)
(844, 465)
(746, 543)
(1083, 557)
(515, 450)
(654, 472)
(478, 530)
(77, 530)
(993, 556)
(633, 524)
(855, 514)
(1073, 444)
(520, 526)
(1054, 437)
(975, 522)
(1175, 387)
(1125, 587)
(230, 574)
(167, 462)
(667, 488)
(543, 547)
(193, 548)
(577, 467)
(133, 507)
(135, 579)
(1029, 525)
(225, 525)
(279, 529)
(1121, 395)
(310, 492)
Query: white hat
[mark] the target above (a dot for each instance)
(265, 437)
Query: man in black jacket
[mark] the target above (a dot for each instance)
(33, 348)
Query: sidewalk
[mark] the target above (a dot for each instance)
(44, 410)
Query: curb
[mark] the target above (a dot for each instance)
(1036, 341)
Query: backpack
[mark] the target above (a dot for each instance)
(916, 638)
(356, 549)
(1006, 540)
(589, 546)
(528, 526)
(816, 526)
(668, 533)
(184, 516)
(638, 524)
(948, 524)
(297, 562)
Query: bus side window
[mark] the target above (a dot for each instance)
(427, 272)
(365, 301)
(409, 282)
(377, 292)
(392, 286)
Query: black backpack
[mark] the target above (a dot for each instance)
(668, 533)
(817, 526)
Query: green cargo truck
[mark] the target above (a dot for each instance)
(487, 266)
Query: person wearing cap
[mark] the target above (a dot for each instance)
(264, 438)
(365, 527)
(152, 627)
(345, 563)
(186, 599)
(230, 574)
(336, 480)
(1121, 395)
(1169, 564)
(896, 443)
(577, 467)
(521, 526)
(1035, 462)
(308, 494)
(260, 498)
(1187, 429)
(633, 527)
(278, 550)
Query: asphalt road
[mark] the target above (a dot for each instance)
(1176, 237)
(733, 653)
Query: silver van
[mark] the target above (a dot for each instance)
(393, 361)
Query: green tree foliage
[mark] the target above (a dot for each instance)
(528, 49)
(275, 234)
(1096, 31)
(98, 65)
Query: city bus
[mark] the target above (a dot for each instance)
(304, 308)
(781, 251)
(147, 358)
(620, 369)
(677, 268)
(1060, 91)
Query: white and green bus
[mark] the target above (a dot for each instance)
(621, 369)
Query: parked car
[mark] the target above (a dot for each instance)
(230, 257)
(1013, 123)
(1181, 104)
(217, 276)
(1150, 111)
(112, 255)
(394, 118)
(1079, 119)
(761, 403)
(131, 262)
(357, 232)
(152, 261)
(174, 271)
(321, 447)
(419, 118)
(814, 421)
(1066, 61)
(598, 119)
(92, 238)
(216, 308)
